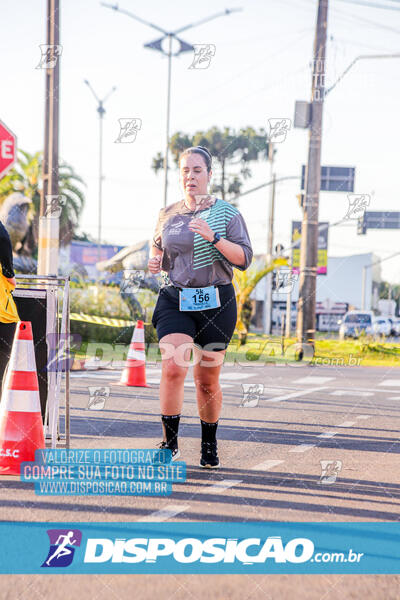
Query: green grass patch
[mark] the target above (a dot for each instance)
(261, 349)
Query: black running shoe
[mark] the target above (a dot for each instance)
(175, 451)
(209, 455)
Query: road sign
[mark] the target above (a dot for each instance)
(376, 219)
(322, 247)
(334, 179)
(8, 149)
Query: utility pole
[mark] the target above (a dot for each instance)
(267, 313)
(309, 232)
(48, 242)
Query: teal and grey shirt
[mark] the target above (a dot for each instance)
(189, 259)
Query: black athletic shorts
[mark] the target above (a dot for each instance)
(213, 327)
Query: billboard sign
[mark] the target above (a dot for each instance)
(322, 247)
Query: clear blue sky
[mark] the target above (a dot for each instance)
(260, 68)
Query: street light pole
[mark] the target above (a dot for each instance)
(101, 110)
(156, 45)
(168, 120)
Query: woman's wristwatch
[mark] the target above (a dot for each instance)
(216, 239)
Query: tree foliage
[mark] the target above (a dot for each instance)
(26, 177)
(244, 283)
(233, 153)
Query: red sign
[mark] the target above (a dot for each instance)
(8, 149)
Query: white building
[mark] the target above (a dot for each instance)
(340, 288)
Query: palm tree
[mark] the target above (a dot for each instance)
(26, 177)
(244, 283)
(234, 152)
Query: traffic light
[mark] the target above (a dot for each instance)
(361, 225)
(300, 198)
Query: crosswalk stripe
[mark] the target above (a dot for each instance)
(350, 393)
(221, 486)
(327, 435)
(302, 448)
(314, 379)
(268, 464)
(165, 513)
(236, 375)
(294, 395)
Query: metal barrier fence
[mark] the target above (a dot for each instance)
(52, 294)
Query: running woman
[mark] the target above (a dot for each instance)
(197, 242)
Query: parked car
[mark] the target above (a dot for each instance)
(392, 325)
(382, 326)
(396, 325)
(354, 323)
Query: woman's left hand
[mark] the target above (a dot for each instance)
(201, 227)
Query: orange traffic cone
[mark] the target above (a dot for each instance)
(134, 373)
(21, 427)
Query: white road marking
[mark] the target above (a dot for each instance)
(268, 464)
(314, 379)
(221, 486)
(97, 375)
(364, 417)
(302, 448)
(390, 382)
(192, 384)
(393, 398)
(295, 395)
(236, 375)
(327, 435)
(370, 389)
(165, 513)
(351, 393)
(346, 424)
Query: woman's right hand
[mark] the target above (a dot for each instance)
(154, 264)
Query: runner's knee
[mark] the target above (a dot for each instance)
(207, 385)
(173, 371)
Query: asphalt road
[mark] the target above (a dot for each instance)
(271, 449)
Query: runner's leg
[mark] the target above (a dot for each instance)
(209, 402)
(175, 351)
(206, 372)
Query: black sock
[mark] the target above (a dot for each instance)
(208, 431)
(170, 425)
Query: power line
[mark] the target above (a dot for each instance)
(359, 19)
(371, 5)
(249, 69)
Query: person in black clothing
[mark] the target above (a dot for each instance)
(6, 259)
(7, 330)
